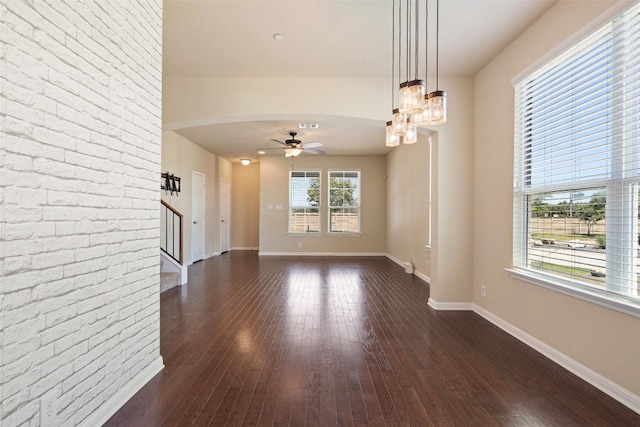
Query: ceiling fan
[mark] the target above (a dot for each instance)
(293, 147)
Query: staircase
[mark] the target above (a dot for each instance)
(172, 271)
(171, 232)
(169, 280)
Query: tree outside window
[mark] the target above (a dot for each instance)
(593, 212)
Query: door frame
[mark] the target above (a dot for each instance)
(228, 226)
(204, 216)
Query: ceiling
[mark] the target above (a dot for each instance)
(345, 38)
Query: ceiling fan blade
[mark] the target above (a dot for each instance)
(279, 142)
(313, 151)
(313, 144)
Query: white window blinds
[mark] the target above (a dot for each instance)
(304, 201)
(576, 163)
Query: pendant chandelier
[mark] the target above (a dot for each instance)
(416, 106)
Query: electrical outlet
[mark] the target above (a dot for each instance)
(300, 244)
(483, 291)
(49, 408)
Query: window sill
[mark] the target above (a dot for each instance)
(594, 296)
(344, 234)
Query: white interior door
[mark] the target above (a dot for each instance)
(225, 214)
(197, 216)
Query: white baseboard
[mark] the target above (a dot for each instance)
(422, 276)
(184, 275)
(206, 256)
(415, 272)
(621, 394)
(340, 254)
(452, 306)
(396, 260)
(241, 248)
(111, 406)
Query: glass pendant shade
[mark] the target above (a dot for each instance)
(393, 140)
(412, 97)
(438, 107)
(411, 136)
(292, 152)
(399, 122)
(423, 119)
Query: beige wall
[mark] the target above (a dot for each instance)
(452, 198)
(274, 192)
(181, 157)
(226, 171)
(193, 101)
(245, 206)
(408, 175)
(601, 339)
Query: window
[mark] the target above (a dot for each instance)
(344, 201)
(577, 138)
(304, 202)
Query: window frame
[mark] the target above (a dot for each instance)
(358, 208)
(317, 208)
(524, 191)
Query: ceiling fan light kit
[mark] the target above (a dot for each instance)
(417, 107)
(292, 152)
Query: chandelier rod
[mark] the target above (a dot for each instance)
(399, 40)
(417, 37)
(393, 53)
(426, 47)
(408, 56)
(437, 44)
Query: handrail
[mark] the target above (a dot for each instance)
(169, 215)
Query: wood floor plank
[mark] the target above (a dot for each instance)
(246, 343)
(344, 341)
(202, 405)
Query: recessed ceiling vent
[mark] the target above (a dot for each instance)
(307, 126)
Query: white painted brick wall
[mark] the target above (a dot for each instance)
(80, 116)
(5, 372)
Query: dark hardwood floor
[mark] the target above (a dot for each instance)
(344, 341)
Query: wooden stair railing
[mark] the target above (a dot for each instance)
(171, 231)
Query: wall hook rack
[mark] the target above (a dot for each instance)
(170, 183)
